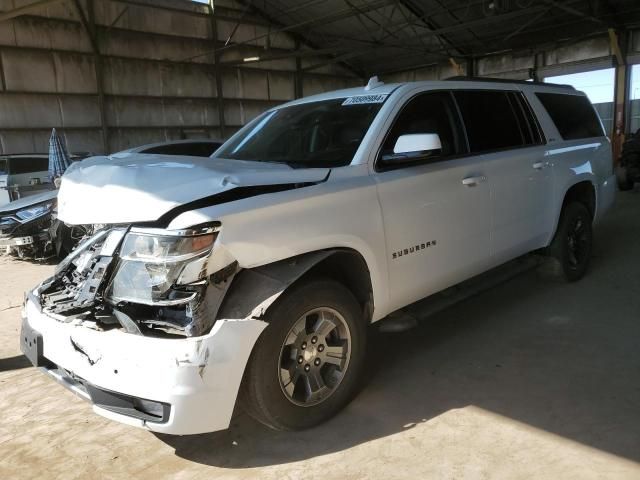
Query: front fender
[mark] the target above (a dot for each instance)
(342, 213)
(254, 290)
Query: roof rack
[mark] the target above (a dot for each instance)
(507, 80)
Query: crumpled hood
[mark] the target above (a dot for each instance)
(129, 187)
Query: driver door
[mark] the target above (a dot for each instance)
(436, 211)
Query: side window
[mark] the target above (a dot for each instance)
(537, 137)
(490, 120)
(573, 115)
(432, 112)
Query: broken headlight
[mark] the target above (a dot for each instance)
(152, 262)
(35, 211)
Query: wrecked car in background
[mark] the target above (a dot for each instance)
(29, 227)
(22, 175)
(25, 226)
(628, 168)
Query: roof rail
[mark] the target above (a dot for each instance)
(507, 80)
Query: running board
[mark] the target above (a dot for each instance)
(409, 316)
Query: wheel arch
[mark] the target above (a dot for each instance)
(348, 267)
(254, 290)
(583, 191)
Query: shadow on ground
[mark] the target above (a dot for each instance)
(562, 358)
(14, 363)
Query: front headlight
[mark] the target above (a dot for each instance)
(152, 261)
(35, 211)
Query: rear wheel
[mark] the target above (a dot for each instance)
(307, 363)
(570, 250)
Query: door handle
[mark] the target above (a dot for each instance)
(539, 165)
(473, 181)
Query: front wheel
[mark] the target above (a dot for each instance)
(570, 250)
(308, 361)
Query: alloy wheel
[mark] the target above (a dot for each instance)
(314, 357)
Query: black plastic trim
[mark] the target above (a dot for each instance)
(460, 78)
(125, 404)
(234, 194)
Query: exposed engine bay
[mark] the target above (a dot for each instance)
(100, 286)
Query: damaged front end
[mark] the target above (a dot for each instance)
(134, 322)
(144, 281)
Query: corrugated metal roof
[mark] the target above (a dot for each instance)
(379, 36)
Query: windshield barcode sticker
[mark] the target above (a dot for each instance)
(360, 99)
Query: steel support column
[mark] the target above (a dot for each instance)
(471, 67)
(217, 72)
(621, 92)
(3, 80)
(298, 88)
(89, 24)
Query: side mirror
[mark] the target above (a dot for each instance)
(417, 142)
(414, 147)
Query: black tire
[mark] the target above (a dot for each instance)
(624, 182)
(263, 391)
(570, 249)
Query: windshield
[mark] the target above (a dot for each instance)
(311, 135)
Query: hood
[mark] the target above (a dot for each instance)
(27, 202)
(130, 187)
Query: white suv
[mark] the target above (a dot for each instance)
(255, 273)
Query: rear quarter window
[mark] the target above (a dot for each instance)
(573, 115)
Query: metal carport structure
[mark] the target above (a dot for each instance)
(240, 57)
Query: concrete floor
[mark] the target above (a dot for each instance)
(530, 379)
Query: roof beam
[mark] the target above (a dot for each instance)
(573, 11)
(285, 55)
(527, 24)
(453, 28)
(16, 12)
(430, 24)
(323, 20)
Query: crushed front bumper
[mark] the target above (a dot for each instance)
(177, 386)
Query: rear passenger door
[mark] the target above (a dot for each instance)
(436, 212)
(505, 137)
